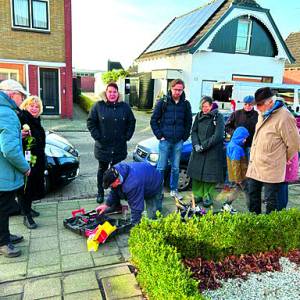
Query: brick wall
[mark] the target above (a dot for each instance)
(29, 45)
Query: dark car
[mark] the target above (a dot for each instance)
(147, 150)
(62, 161)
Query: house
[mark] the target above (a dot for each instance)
(85, 79)
(225, 40)
(36, 49)
(292, 71)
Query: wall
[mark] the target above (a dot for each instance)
(291, 76)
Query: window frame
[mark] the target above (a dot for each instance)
(249, 35)
(30, 17)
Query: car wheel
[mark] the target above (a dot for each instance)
(184, 181)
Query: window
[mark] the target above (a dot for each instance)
(250, 78)
(31, 14)
(9, 74)
(243, 36)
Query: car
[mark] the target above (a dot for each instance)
(147, 150)
(62, 161)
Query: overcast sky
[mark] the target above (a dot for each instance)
(121, 29)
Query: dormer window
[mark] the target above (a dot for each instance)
(30, 14)
(243, 35)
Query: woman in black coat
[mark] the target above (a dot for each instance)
(33, 189)
(111, 124)
(207, 159)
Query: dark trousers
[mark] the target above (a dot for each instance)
(283, 196)
(25, 202)
(254, 193)
(7, 199)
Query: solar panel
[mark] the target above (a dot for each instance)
(183, 28)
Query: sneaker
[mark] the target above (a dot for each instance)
(34, 213)
(9, 250)
(228, 208)
(14, 239)
(29, 222)
(175, 194)
(100, 199)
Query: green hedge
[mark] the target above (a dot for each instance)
(157, 247)
(85, 102)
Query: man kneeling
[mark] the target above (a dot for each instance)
(136, 183)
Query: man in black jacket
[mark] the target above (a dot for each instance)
(111, 124)
(171, 123)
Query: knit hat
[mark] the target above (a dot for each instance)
(12, 85)
(109, 177)
(249, 99)
(263, 94)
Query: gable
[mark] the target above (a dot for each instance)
(293, 43)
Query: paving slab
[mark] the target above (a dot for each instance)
(43, 258)
(108, 260)
(44, 270)
(83, 281)
(112, 271)
(13, 271)
(73, 246)
(89, 295)
(76, 261)
(12, 297)
(7, 289)
(44, 231)
(44, 243)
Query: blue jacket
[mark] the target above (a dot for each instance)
(170, 120)
(235, 148)
(12, 162)
(140, 181)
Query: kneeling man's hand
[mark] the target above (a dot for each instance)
(102, 208)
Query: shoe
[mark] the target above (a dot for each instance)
(228, 208)
(29, 222)
(207, 202)
(9, 250)
(198, 200)
(175, 194)
(115, 209)
(100, 199)
(34, 213)
(14, 239)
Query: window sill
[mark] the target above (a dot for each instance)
(43, 31)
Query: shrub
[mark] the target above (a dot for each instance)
(157, 247)
(85, 102)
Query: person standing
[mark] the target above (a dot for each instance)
(32, 108)
(111, 124)
(171, 123)
(13, 165)
(275, 142)
(207, 159)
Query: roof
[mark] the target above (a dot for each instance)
(293, 43)
(209, 16)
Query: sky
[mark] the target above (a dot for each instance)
(120, 30)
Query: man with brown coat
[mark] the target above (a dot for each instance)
(275, 142)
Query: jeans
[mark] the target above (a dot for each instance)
(283, 196)
(254, 190)
(170, 151)
(6, 201)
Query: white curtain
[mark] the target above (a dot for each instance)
(21, 13)
(39, 14)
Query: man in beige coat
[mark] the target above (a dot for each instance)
(275, 142)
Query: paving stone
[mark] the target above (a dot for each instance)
(125, 253)
(43, 221)
(68, 205)
(9, 288)
(122, 240)
(44, 231)
(45, 270)
(42, 288)
(80, 281)
(19, 229)
(43, 258)
(134, 298)
(89, 295)
(48, 212)
(119, 287)
(106, 250)
(107, 260)
(44, 243)
(109, 272)
(13, 271)
(16, 220)
(12, 297)
(66, 235)
(73, 246)
(76, 261)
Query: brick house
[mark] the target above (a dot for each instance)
(292, 71)
(36, 49)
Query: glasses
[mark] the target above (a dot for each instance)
(177, 90)
(21, 95)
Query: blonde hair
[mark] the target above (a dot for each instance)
(30, 100)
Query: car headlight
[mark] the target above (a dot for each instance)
(153, 157)
(54, 151)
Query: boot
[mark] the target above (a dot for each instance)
(14, 239)
(9, 250)
(29, 222)
(100, 199)
(34, 213)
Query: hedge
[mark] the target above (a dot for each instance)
(157, 247)
(85, 102)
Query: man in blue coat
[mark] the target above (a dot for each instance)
(13, 165)
(137, 183)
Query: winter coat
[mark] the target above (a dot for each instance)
(208, 132)
(237, 162)
(13, 165)
(140, 181)
(35, 182)
(172, 120)
(111, 125)
(247, 119)
(276, 140)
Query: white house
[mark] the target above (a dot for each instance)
(225, 40)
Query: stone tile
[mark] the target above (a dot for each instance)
(76, 261)
(108, 260)
(122, 240)
(22, 257)
(9, 288)
(42, 288)
(43, 258)
(45, 270)
(125, 253)
(12, 297)
(44, 231)
(80, 281)
(66, 235)
(45, 206)
(43, 221)
(47, 212)
(19, 229)
(16, 220)
(109, 272)
(119, 287)
(73, 246)
(13, 272)
(89, 295)
(44, 243)
(134, 298)
(106, 250)
(68, 205)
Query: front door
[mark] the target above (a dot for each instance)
(49, 91)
